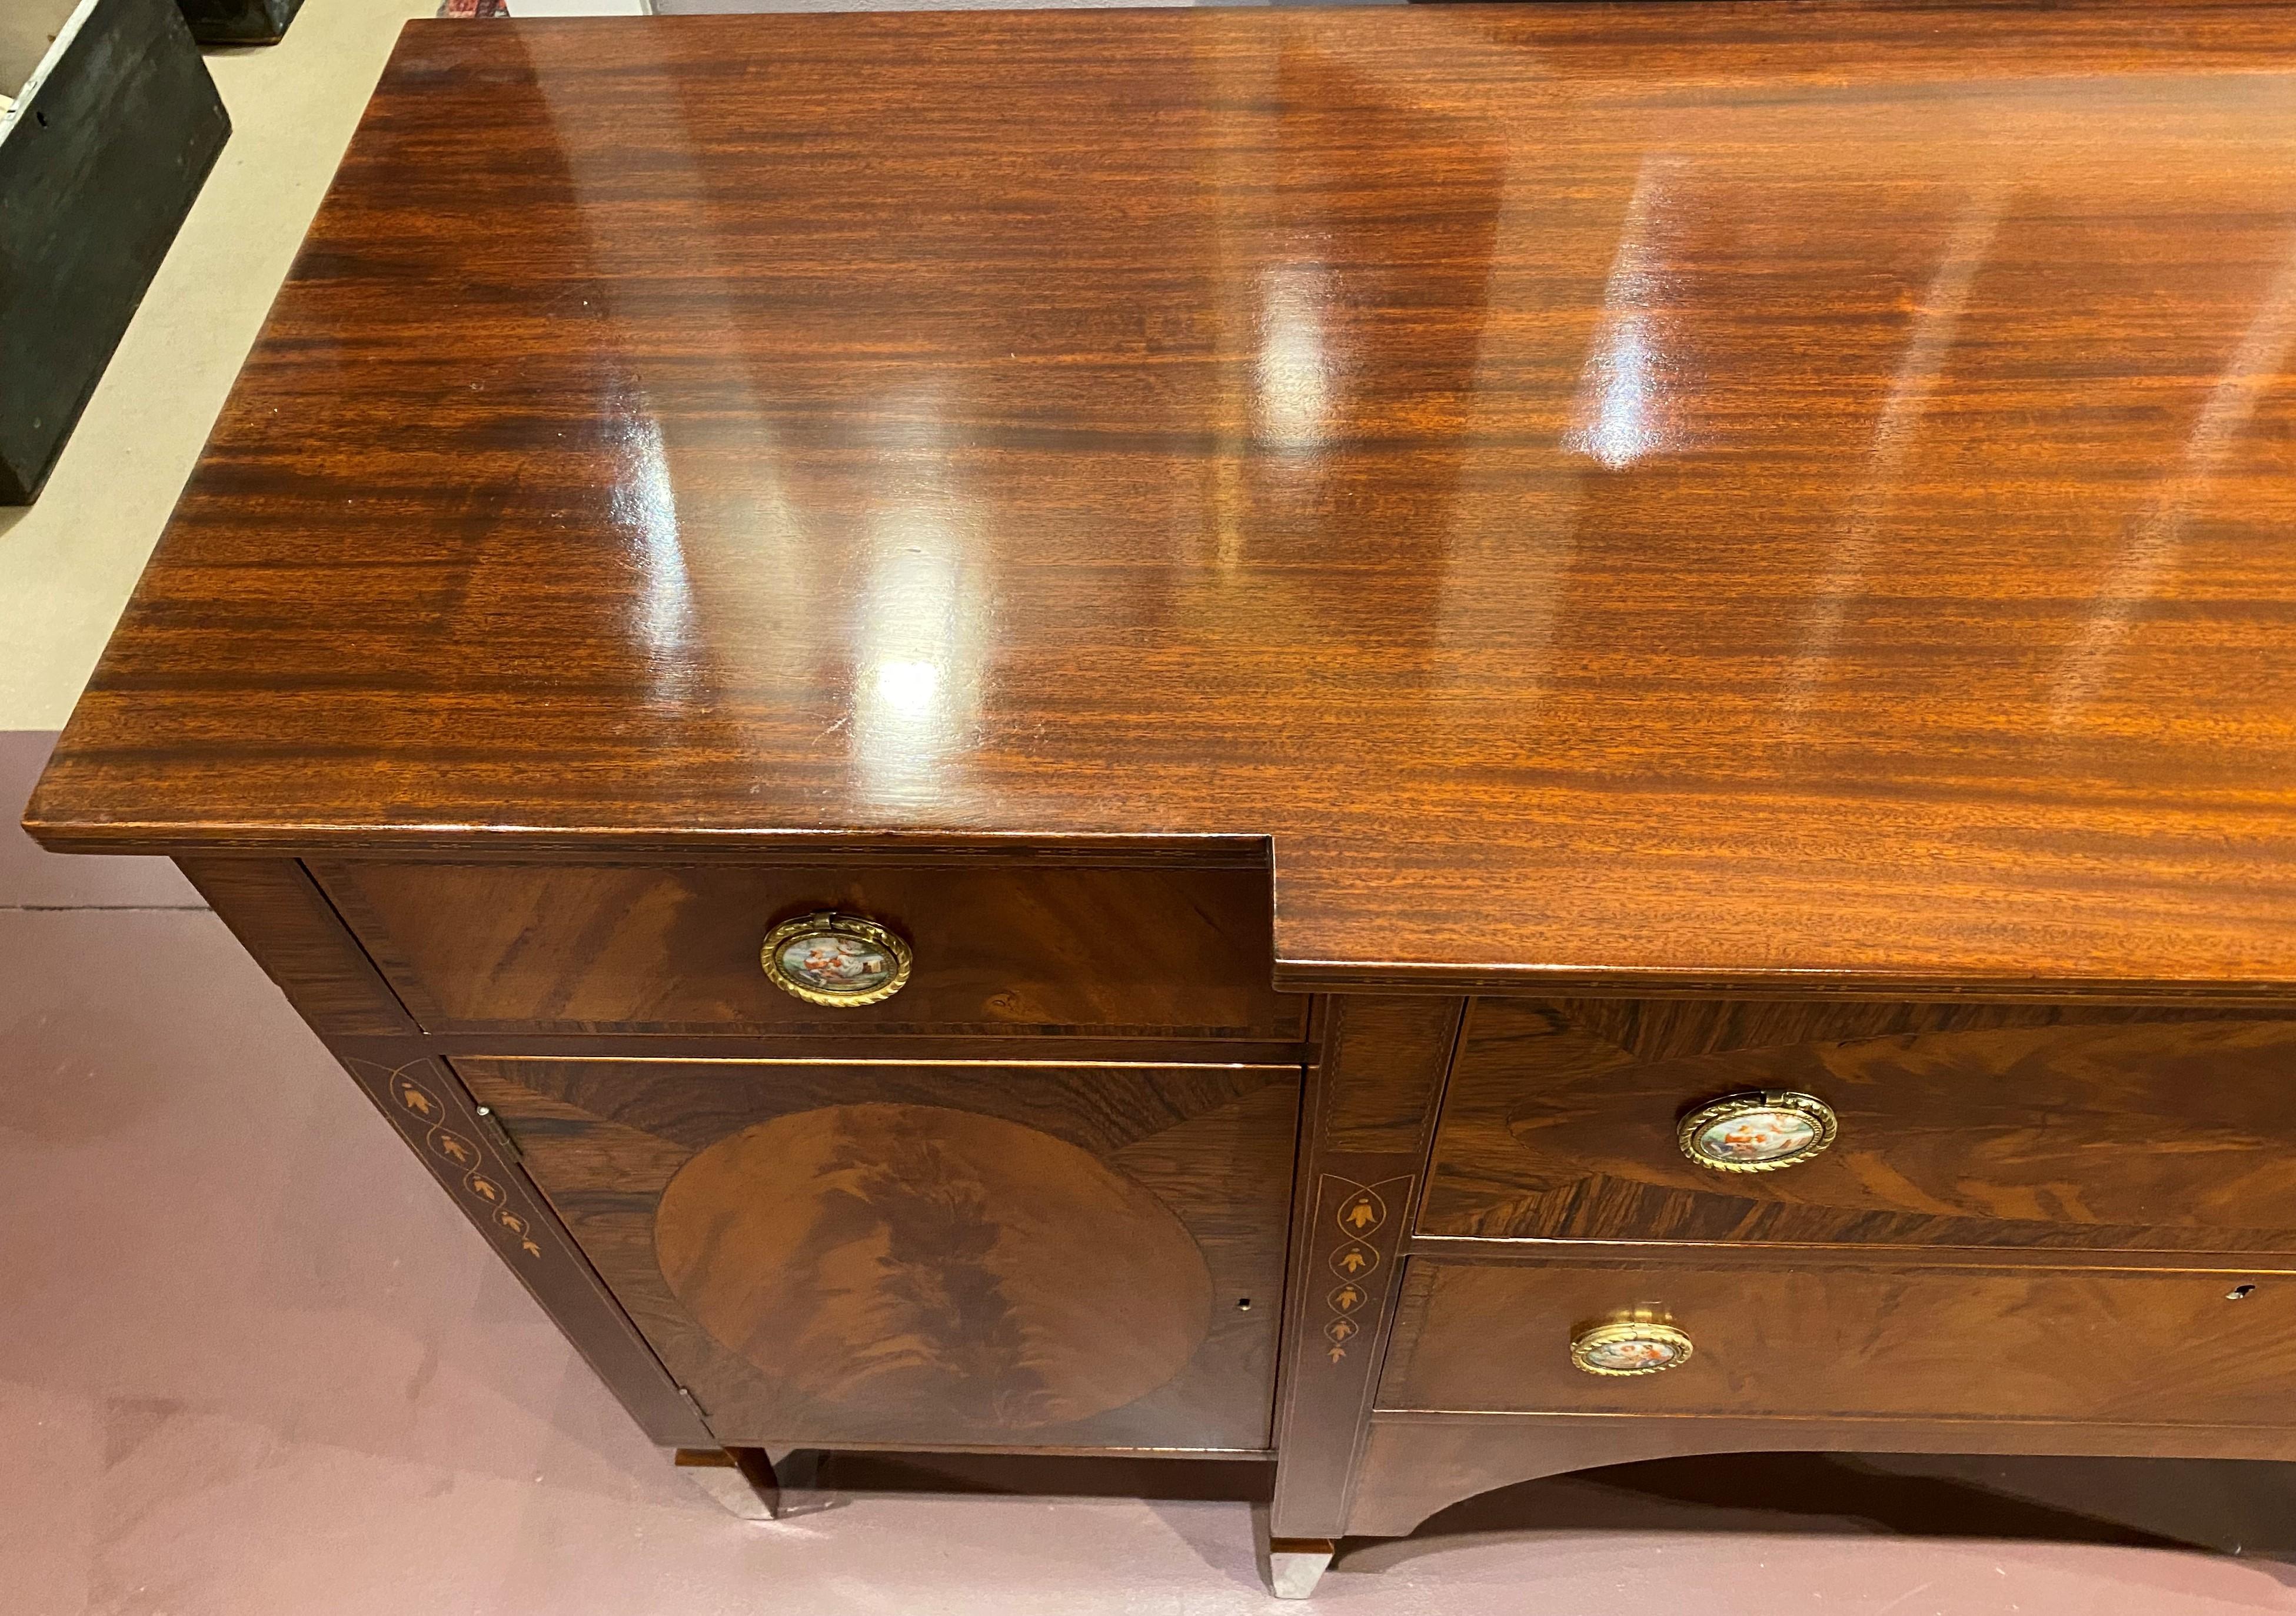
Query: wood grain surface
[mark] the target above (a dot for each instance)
(1413, 1465)
(1371, 1100)
(1719, 494)
(1857, 1341)
(513, 948)
(433, 1114)
(1961, 1124)
(280, 915)
(977, 1256)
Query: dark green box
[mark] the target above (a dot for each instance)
(99, 163)
(239, 21)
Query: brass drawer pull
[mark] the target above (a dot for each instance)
(1638, 1343)
(1757, 1131)
(836, 959)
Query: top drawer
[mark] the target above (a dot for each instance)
(570, 948)
(2069, 1128)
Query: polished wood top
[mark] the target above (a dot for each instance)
(1756, 493)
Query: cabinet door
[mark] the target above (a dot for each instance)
(957, 1254)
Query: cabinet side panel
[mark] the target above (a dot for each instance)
(439, 1122)
(281, 918)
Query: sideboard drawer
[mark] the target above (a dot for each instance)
(958, 1254)
(1866, 1342)
(1953, 1125)
(676, 947)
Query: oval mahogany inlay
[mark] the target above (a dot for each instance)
(916, 1258)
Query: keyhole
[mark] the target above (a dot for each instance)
(1243, 1304)
(2240, 1292)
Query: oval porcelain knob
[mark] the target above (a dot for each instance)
(1641, 1342)
(836, 959)
(1757, 1131)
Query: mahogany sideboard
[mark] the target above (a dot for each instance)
(1446, 742)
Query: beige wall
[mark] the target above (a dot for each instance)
(26, 27)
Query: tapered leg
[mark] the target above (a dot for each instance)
(1371, 1104)
(740, 1479)
(1294, 1564)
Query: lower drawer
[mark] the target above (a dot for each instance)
(960, 1254)
(1854, 1341)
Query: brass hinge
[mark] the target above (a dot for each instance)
(493, 1129)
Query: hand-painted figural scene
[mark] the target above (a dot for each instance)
(834, 963)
